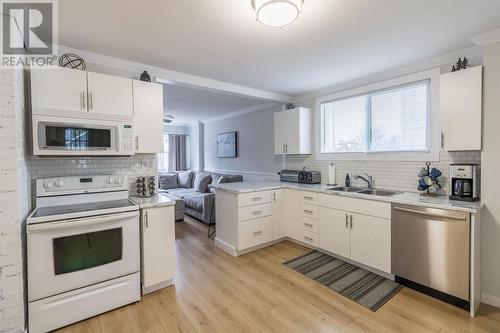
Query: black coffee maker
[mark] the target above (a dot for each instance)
(464, 182)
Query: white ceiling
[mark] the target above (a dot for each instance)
(188, 104)
(332, 41)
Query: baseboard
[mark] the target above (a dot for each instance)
(490, 300)
(225, 247)
(157, 286)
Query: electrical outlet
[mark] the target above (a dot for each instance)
(146, 164)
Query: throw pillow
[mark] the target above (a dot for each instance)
(184, 178)
(168, 181)
(201, 182)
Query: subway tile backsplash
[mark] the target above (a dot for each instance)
(132, 166)
(391, 174)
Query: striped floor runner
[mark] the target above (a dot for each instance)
(365, 288)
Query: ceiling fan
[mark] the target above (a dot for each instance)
(167, 119)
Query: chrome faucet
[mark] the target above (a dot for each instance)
(368, 180)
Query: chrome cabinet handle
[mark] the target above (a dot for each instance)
(308, 198)
(309, 239)
(136, 142)
(257, 212)
(146, 219)
(91, 101)
(307, 211)
(346, 221)
(257, 233)
(82, 100)
(308, 225)
(350, 218)
(442, 140)
(256, 198)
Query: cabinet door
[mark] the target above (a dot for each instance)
(279, 214)
(333, 231)
(460, 112)
(279, 132)
(148, 116)
(371, 241)
(109, 95)
(59, 89)
(293, 218)
(158, 245)
(292, 133)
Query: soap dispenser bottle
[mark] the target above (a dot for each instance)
(347, 181)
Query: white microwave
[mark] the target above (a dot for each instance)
(55, 135)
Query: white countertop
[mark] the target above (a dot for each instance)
(157, 200)
(409, 198)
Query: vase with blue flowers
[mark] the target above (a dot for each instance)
(428, 182)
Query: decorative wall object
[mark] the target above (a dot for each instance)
(428, 183)
(145, 77)
(461, 64)
(290, 106)
(227, 145)
(71, 60)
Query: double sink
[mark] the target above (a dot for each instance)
(386, 193)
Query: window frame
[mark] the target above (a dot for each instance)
(433, 136)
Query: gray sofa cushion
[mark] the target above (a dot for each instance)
(168, 181)
(181, 192)
(185, 178)
(201, 181)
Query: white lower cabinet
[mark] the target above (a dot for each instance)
(293, 216)
(371, 241)
(158, 248)
(255, 232)
(334, 231)
(362, 238)
(279, 214)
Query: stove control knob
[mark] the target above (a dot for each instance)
(59, 183)
(48, 185)
(118, 181)
(109, 180)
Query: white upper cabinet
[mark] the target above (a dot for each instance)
(460, 112)
(58, 89)
(109, 95)
(148, 117)
(63, 90)
(293, 131)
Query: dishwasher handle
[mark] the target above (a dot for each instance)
(436, 215)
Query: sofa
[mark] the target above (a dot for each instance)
(192, 194)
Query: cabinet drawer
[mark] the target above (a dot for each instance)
(310, 211)
(255, 211)
(255, 232)
(309, 197)
(308, 238)
(354, 205)
(309, 224)
(254, 198)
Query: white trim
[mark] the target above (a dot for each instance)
(391, 73)
(229, 249)
(490, 300)
(251, 109)
(487, 38)
(434, 136)
(168, 76)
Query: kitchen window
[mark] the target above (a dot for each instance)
(394, 119)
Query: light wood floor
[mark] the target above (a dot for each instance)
(215, 292)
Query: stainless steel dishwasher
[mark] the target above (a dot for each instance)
(430, 251)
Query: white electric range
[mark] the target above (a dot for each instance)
(83, 250)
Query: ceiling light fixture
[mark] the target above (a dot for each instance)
(277, 13)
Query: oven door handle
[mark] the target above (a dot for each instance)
(68, 224)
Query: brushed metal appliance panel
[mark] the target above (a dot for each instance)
(431, 247)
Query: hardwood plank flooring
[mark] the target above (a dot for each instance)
(215, 292)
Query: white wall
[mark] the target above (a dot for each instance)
(197, 150)
(255, 144)
(490, 223)
(14, 200)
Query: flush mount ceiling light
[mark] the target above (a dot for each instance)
(277, 13)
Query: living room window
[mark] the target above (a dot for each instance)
(390, 120)
(163, 157)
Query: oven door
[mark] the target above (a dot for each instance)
(70, 254)
(74, 136)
